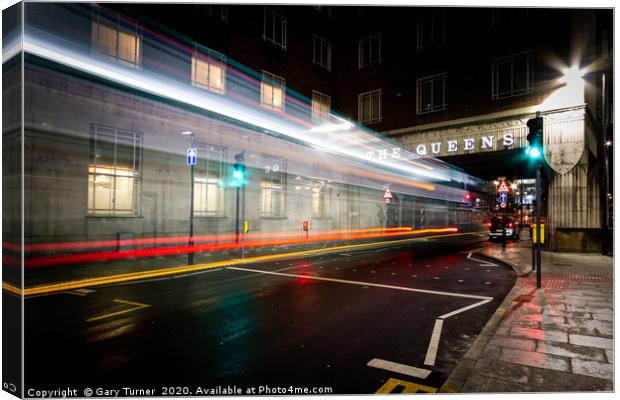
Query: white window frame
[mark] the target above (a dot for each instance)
(219, 11)
(112, 172)
(273, 183)
(270, 82)
(211, 58)
(317, 59)
(495, 95)
(420, 29)
(207, 182)
(375, 54)
(114, 23)
(321, 199)
(432, 79)
(369, 95)
(320, 99)
(271, 16)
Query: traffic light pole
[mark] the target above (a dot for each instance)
(538, 238)
(190, 253)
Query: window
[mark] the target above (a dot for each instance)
(118, 39)
(114, 172)
(209, 71)
(431, 29)
(209, 178)
(274, 28)
(369, 50)
(219, 11)
(431, 92)
(512, 75)
(273, 187)
(322, 53)
(507, 16)
(272, 90)
(321, 194)
(369, 107)
(320, 106)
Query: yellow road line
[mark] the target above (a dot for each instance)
(137, 306)
(409, 387)
(133, 276)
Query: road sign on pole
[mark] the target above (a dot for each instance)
(387, 196)
(503, 197)
(503, 188)
(191, 156)
(503, 205)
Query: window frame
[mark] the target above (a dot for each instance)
(205, 57)
(369, 95)
(322, 42)
(443, 76)
(274, 81)
(495, 95)
(136, 194)
(203, 150)
(114, 23)
(324, 199)
(267, 178)
(360, 51)
(317, 97)
(275, 15)
(421, 45)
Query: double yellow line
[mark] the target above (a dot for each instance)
(134, 276)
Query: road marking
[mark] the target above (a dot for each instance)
(433, 346)
(322, 278)
(399, 368)
(137, 306)
(483, 263)
(135, 276)
(460, 310)
(409, 387)
(75, 293)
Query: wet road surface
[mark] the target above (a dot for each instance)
(309, 322)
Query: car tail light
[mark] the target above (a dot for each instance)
(490, 224)
(510, 225)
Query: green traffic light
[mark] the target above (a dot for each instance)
(238, 175)
(533, 151)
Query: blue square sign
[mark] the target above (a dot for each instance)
(503, 197)
(191, 156)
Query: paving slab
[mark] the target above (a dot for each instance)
(556, 338)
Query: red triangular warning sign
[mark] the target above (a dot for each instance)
(387, 194)
(503, 187)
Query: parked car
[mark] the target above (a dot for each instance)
(496, 227)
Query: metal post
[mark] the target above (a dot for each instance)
(237, 216)
(605, 180)
(190, 253)
(538, 238)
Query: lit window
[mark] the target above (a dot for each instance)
(321, 104)
(272, 89)
(512, 75)
(274, 28)
(431, 29)
(273, 187)
(369, 50)
(369, 107)
(432, 94)
(321, 194)
(117, 39)
(209, 71)
(322, 53)
(114, 172)
(209, 181)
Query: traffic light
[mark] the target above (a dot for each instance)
(535, 137)
(238, 176)
(305, 225)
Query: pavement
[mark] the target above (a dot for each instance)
(556, 338)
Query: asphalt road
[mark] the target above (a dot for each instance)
(306, 322)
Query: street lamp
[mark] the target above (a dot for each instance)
(192, 164)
